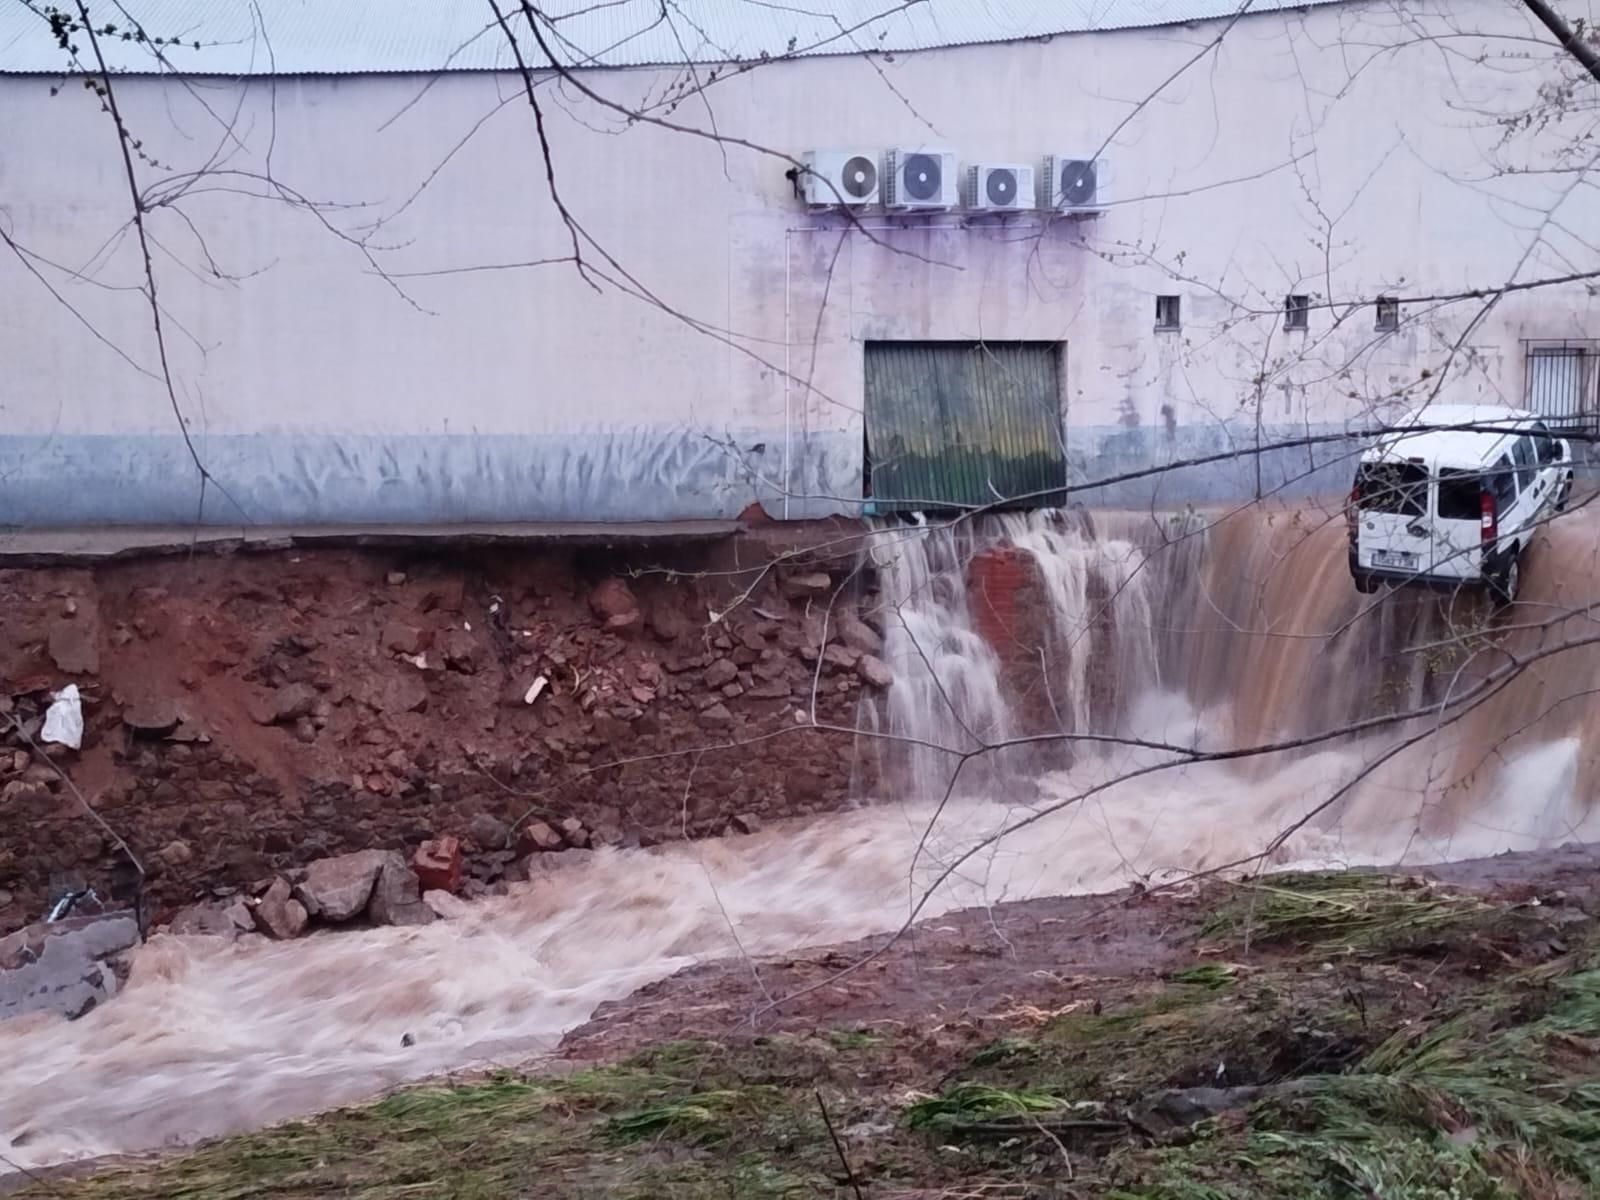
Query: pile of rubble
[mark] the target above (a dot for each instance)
(243, 720)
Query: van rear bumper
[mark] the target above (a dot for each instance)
(1425, 579)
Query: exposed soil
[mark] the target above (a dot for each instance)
(248, 713)
(967, 970)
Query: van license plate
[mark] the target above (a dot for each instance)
(1394, 558)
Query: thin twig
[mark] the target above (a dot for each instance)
(844, 1160)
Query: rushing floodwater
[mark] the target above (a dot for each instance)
(1157, 632)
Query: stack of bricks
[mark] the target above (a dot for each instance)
(1011, 611)
(998, 582)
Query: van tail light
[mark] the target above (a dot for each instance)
(1351, 518)
(1488, 521)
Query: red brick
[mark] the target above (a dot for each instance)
(438, 865)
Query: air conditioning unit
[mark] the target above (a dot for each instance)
(839, 178)
(1000, 187)
(924, 179)
(1072, 183)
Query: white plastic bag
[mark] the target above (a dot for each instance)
(63, 720)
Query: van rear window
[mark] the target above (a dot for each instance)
(1459, 493)
(1393, 488)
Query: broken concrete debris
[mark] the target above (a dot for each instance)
(260, 718)
(66, 967)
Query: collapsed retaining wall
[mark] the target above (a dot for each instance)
(247, 714)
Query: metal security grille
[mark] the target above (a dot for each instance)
(1562, 382)
(964, 424)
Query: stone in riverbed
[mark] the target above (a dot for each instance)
(337, 889)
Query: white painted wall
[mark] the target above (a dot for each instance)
(1341, 152)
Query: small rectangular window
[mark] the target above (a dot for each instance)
(1387, 311)
(1168, 312)
(1296, 312)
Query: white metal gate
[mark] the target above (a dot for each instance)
(1561, 383)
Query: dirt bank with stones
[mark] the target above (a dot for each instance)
(249, 714)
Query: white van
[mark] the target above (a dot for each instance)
(1452, 494)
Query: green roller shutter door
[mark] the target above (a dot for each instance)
(963, 424)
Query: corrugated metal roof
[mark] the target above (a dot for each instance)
(339, 37)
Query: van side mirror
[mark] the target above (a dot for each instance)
(1550, 450)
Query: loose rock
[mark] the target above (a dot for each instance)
(840, 656)
(175, 854)
(73, 647)
(460, 651)
(857, 634)
(875, 671)
(396, 898)
(393, 693)
(288, 703)
(206, 920)
(809, 583)
(400, 638)
(536, 836)
(279, 914)
(614, 602)
(488, 832)
(446, 907)
(63, 967)
(720, 672)
(336, 889)
(153, 716)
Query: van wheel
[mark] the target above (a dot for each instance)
(1365, 584)
(1505, 582)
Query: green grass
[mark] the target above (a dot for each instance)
(1211, 976)
(1499, 1100)
(1353, 912)
(971, 1103)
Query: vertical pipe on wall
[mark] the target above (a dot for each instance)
(788, 481)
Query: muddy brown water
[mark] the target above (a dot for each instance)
(1218, 633)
